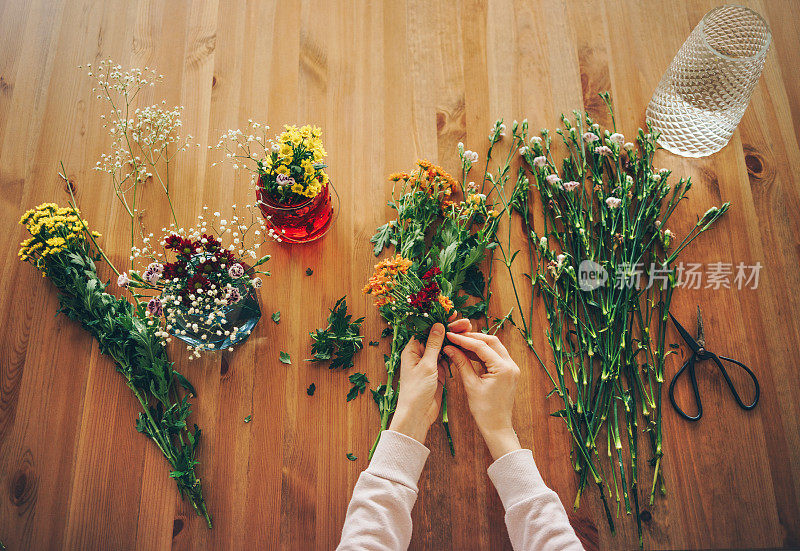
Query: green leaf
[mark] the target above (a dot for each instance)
(474, 282)
(374, 343)
(340, 340)
(382, 238)
(474, 311)
(276, 317)
(309, 271)
(285, 358)
(447, 257)
(184, 382)
(311, 389)
(351, 457)
(359, 382)
(248, 418)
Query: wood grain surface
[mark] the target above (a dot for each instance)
(388, 82)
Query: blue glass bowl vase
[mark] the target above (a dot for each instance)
(234, 323)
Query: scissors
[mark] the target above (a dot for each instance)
(699, 353)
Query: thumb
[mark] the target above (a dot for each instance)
(468, 375)
(434, 344)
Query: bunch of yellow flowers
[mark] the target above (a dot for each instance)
(53, 229)
(295, 165)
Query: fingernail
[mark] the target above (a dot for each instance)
(437, 329)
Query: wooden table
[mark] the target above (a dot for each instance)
(387, 83)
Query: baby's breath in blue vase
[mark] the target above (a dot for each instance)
(220, 329)
(212, 305)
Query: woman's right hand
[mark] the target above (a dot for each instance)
(490, 384)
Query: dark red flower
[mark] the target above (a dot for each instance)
(420, 300)
(423, 299)
(208, 267)
(175, 269)
(226, 257)
(183, 247)
(431, 290)
(173, 241)
(212, 244)
(197, 283)
(188, 248)
(433, 272)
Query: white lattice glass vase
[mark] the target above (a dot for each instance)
(703, 94)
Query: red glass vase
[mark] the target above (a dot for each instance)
(299, 223)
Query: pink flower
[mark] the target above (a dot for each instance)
(152, 276)
(236, 271)
(569, 186)
(156, 267)
(540, 162)
(154, 307)
(613, 202)
(256, 282)
(233, 295)
(590, 137)
(284, 180)
(523, 150)
(617, 138)
(603, 150)
(123, 280)
(553, 179)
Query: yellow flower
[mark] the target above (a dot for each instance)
(313, 190)
(282, 169)
(53, 229)
(292, 135)
(297, 188)
(285, 151)
(308, 168)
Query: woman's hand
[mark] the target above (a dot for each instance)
(421, 377)
(490, 384)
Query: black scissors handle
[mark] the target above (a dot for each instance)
(730, 383)
(688, 364)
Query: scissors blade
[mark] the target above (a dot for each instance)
(686, 336)
(701, 335)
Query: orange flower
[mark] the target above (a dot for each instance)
(397, 176)
(382, 282)
(445, 302)
(433, 179)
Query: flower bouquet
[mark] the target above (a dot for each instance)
(206, 292)
(194, 284)
(63, 249)
(439, 244)
(292, 187)
(196, 287)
